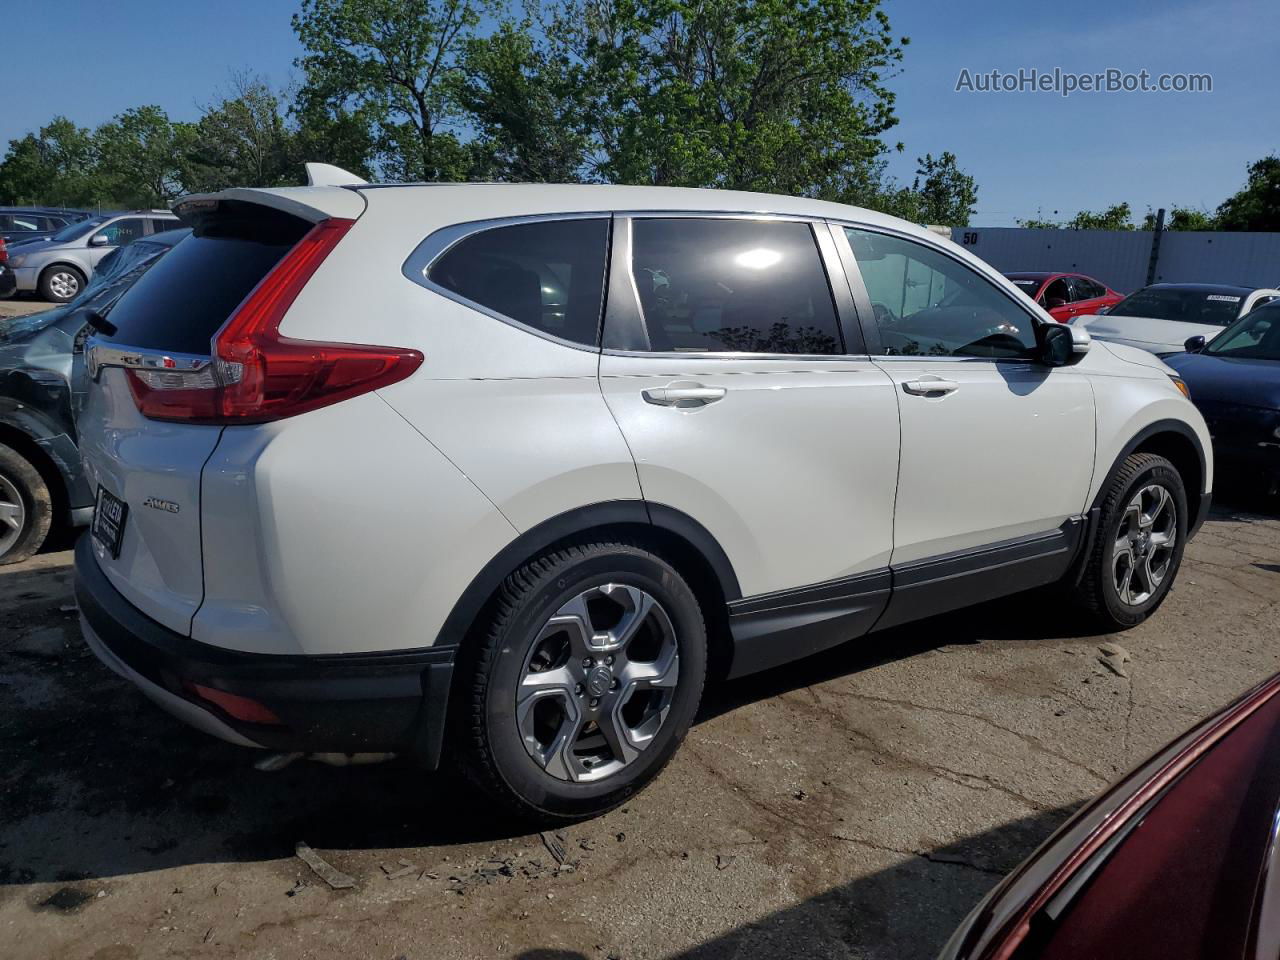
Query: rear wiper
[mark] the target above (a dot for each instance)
(100, 323)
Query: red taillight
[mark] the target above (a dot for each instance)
(234, 705)
(258, 375)
(4, 251)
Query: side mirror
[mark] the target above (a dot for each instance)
(1057, 345)
(1194, 344)
(98, 240)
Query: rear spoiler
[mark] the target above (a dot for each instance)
(311, 204)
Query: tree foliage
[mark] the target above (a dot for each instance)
(1257, 206)
(1182, 218)
(139, 158)
(786, 96)
(240, 140)
(395, 63)
(530, 104)
(55, 166)
(1117, 217)
(945, 194)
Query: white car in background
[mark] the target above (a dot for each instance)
(1162, 317)
(515, 468)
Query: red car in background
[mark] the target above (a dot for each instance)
(1066, 295)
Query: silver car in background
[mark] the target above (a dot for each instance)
(58, 267)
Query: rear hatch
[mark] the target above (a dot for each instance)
(147, 430)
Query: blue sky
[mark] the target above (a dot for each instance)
(1028, 151)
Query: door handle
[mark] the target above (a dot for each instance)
(930, 385)
(683, 395)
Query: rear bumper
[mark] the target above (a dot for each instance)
(348, 703)
(8, 282)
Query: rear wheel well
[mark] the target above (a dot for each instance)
(1182, 453)
(35, 455)
(674, 549)
(687, 560)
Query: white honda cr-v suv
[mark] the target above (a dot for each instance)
(506, 472)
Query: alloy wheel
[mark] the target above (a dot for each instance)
(1144, 545)
(13, 515)
(598, 683)
(64, 285)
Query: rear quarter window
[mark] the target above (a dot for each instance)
(548, 274)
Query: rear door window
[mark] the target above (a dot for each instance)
(546, 274)
(188, 295)
(735, 286)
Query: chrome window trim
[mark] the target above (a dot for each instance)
(99, 356)
(417, 265)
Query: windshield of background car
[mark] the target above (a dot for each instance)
(74, 231)
(1253, 337)
(1029, 287)
(1185, 306)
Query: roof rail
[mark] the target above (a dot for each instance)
(327, 175)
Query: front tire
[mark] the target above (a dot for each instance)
(60, 283)
(582, 683)
(26, 509)
(1137, 550)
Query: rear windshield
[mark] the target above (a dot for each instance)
(183, 301)
(1210, 307)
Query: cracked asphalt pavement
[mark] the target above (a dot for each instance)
(853, 805)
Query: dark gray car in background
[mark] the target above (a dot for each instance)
(41, 359)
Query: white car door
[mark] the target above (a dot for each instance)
(997, 447)
(724, 364)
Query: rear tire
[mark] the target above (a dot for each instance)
(1138, 546)
(559, 723)
(26, 508)
(60, 283)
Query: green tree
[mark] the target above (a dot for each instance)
(339, 136)
(1257, 206)
(530, 105)
(1118, 217)
(394, 63)
(781, 95)
(241, 141)
(140, 157)
(1182, 218)
(946, 194)
(56, 166)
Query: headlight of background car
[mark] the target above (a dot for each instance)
(1181, 385)
(17, 261)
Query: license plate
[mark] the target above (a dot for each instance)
(109, 513)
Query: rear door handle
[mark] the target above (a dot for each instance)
(683, 395)
(930, 385)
